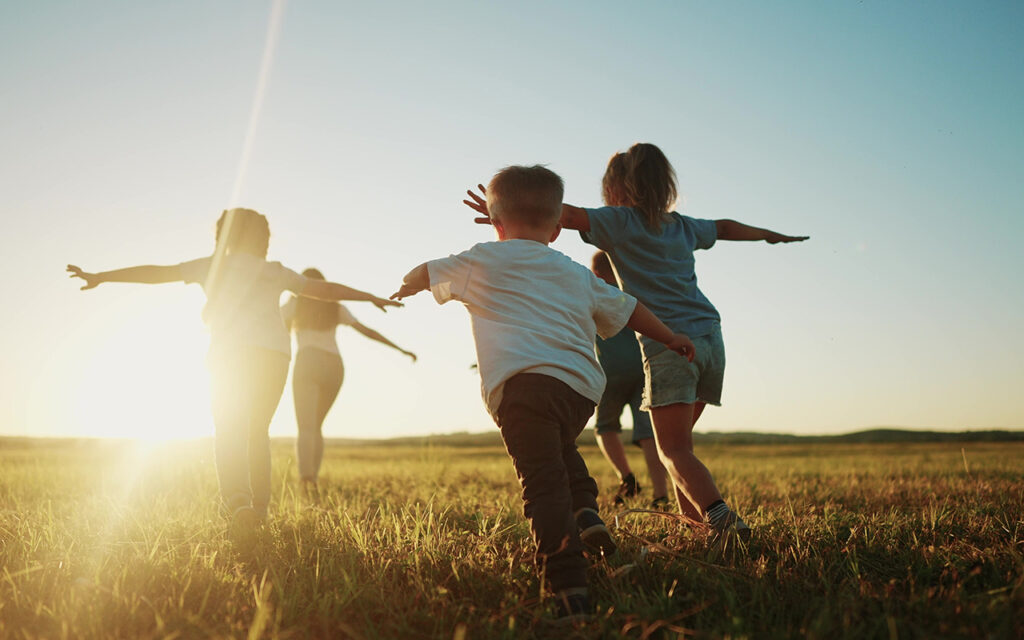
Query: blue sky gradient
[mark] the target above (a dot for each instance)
(889, 132)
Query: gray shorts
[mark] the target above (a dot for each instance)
(671, 379)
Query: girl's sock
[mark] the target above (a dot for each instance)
(716, 512)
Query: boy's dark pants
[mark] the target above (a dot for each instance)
(540, 418)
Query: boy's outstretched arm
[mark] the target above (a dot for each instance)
(645, 322)
(415, 281)
(573, 218)
(144, 274)
(732, 230)
(333, 291)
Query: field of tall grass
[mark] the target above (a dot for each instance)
(851, 541)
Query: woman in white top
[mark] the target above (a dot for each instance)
(249, 347)
(319, 371)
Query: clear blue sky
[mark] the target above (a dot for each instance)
(891, 133)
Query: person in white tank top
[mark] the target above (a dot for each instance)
(318, 372)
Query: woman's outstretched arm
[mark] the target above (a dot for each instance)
(144, 274)
(373, 335)
(333, 291)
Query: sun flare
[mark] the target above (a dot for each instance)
(144, 378)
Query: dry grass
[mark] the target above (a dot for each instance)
(114, 540)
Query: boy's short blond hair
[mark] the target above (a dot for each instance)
(528, 195)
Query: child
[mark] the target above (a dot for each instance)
(651, 249)
(249, 348)
(534, 314)
(318, 372)
(623, 366)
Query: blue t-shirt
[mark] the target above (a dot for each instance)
(620, 358)
(658, 268)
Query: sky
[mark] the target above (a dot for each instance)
(890, 133)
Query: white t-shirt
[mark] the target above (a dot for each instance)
(243, 311)
(533, 310)
(322, 339)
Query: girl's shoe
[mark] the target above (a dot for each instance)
(244, 523)
(730, 526)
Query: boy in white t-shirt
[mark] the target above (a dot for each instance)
(534, 314)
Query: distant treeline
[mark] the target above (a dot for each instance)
(492, 438)
(868, 436)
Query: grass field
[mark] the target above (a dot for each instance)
(851, 541)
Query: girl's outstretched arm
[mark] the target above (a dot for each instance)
(573, 218)
(732, 230)
(145, 274)
(373, 335)
(333, 291)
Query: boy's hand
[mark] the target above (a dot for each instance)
(91, 279)
(415, 281)
(479, 205)
(405, 291)
(383, 304)
(681, 344)
(774, 238)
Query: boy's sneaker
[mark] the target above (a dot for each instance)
(628, 488)
(730, 525)
(660, 503)
(573, 607)
(594, 532)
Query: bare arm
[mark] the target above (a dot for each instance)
(415, 281)
(373, 335)
(144, 274)
(573, 218)
(732, 230)
(333, 291)
(644, 322)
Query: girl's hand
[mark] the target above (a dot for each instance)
(383, 304)
(410, 354)
(775, 238)
(479, 205)
(91, 279)
(681, 344)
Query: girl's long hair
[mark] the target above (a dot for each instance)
(642, 178)
(310, 313)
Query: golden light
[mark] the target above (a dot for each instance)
(143, 374)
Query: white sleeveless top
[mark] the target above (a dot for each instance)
(322, 339)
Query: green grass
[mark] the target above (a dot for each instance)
(851, 541)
